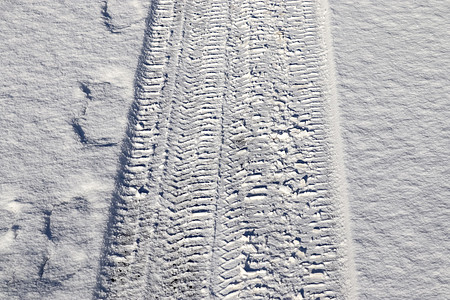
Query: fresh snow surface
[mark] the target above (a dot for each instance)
(61, 70)
(226, 149)
(393, 62)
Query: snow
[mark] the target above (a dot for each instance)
(68, 71)
(54, 190)
(393, 83)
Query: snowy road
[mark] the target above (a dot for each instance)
(229, 186)
(232, 180)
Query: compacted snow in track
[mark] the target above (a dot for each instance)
(228, 184)
(229, 181)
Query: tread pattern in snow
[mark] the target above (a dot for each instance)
(225, 190)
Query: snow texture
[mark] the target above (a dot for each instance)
(392, 62)
(226, 185)
(62, 73)
(189, 149)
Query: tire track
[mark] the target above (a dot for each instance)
(278, 213)
(225, 190)
(188, 192)
(123, 266)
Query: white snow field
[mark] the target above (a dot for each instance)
(393, 62)
(224, 149)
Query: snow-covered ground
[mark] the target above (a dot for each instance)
(61, 67)
(231, 179)
(392, 59)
